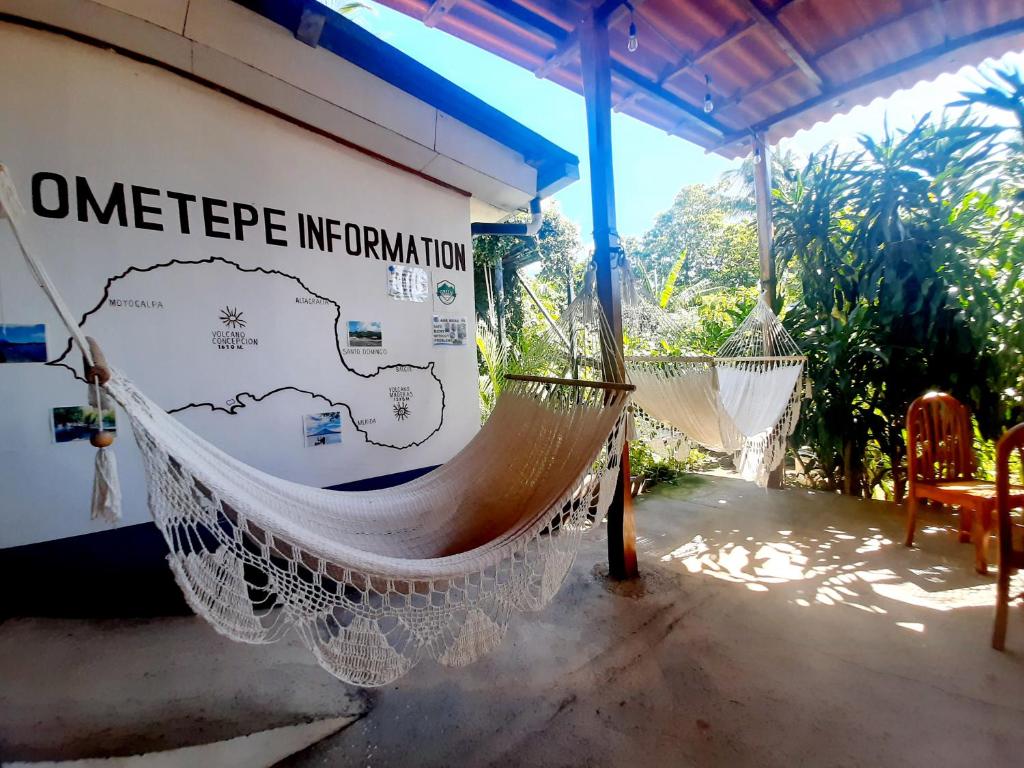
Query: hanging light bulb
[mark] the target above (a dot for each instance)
(757, 153)
(634, 41)
(709, 105)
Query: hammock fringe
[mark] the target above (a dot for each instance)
(375, 582)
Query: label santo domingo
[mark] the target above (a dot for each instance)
(56, 196)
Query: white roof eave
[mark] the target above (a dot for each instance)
(247, 55)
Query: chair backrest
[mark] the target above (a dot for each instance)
(939, 439)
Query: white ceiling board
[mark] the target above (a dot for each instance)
(169, 14)
(260, 43)
(97, 21)
(278, 95)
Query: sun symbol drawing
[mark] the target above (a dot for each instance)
(232, 317)
(401, 411)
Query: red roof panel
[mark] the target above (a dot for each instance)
(775, 65)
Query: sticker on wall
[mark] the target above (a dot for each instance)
(450, 331)
(229, 335)
(364, 334)
(78, 422)
(23, 343)
(322, 428)
(408, 283)
(444, 293)
(401, 401)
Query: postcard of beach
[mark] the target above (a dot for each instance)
(78, 422)
(23, 343)
(322, 428)
(364, 334)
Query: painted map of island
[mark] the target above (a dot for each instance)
(213, 334)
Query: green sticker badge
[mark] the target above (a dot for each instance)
(445, 292)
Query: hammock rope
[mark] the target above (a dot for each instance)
(372, 582)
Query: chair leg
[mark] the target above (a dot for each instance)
(1002, 608)
(966, 524)
(980, 534)
(912, 506)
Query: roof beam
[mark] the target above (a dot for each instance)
(896, 68)
(611, 9)
(782, 38)
(437, 10)
(691, 60)
(737, 96)
(709, 50)
(569, 47)
(524, 17)
(645, 87)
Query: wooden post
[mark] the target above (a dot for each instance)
(595, 62)
(765, 234)
(499, 302)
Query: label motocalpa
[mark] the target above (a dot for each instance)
(445, 291)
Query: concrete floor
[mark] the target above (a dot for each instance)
(769, 629)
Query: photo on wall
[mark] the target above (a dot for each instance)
(450, 331)
(77, 422)
(23, 343)
(322, 428)
(364, 334)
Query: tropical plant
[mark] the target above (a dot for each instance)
(888, 245)
(524, 340)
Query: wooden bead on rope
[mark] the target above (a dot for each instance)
(99, 369)
(98, 374)
(102, 439)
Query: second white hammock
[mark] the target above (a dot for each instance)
(745, 400)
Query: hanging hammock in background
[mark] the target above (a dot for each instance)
(373, 582)
(744, 400)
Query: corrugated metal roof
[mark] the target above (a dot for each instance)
(775, 65)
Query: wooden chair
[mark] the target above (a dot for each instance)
(1011, 547)
(941, 466)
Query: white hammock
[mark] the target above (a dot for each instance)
(745, 400)
(373, 582)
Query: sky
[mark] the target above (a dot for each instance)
(650, 166)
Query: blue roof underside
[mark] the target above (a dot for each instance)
(353, 43)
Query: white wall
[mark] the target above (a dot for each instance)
(224, 43)
(76, 110)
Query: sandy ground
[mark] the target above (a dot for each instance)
(769, 629)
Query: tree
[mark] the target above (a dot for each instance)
(556, 247)
(526, 342)
(718, 236)
(886, 243)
